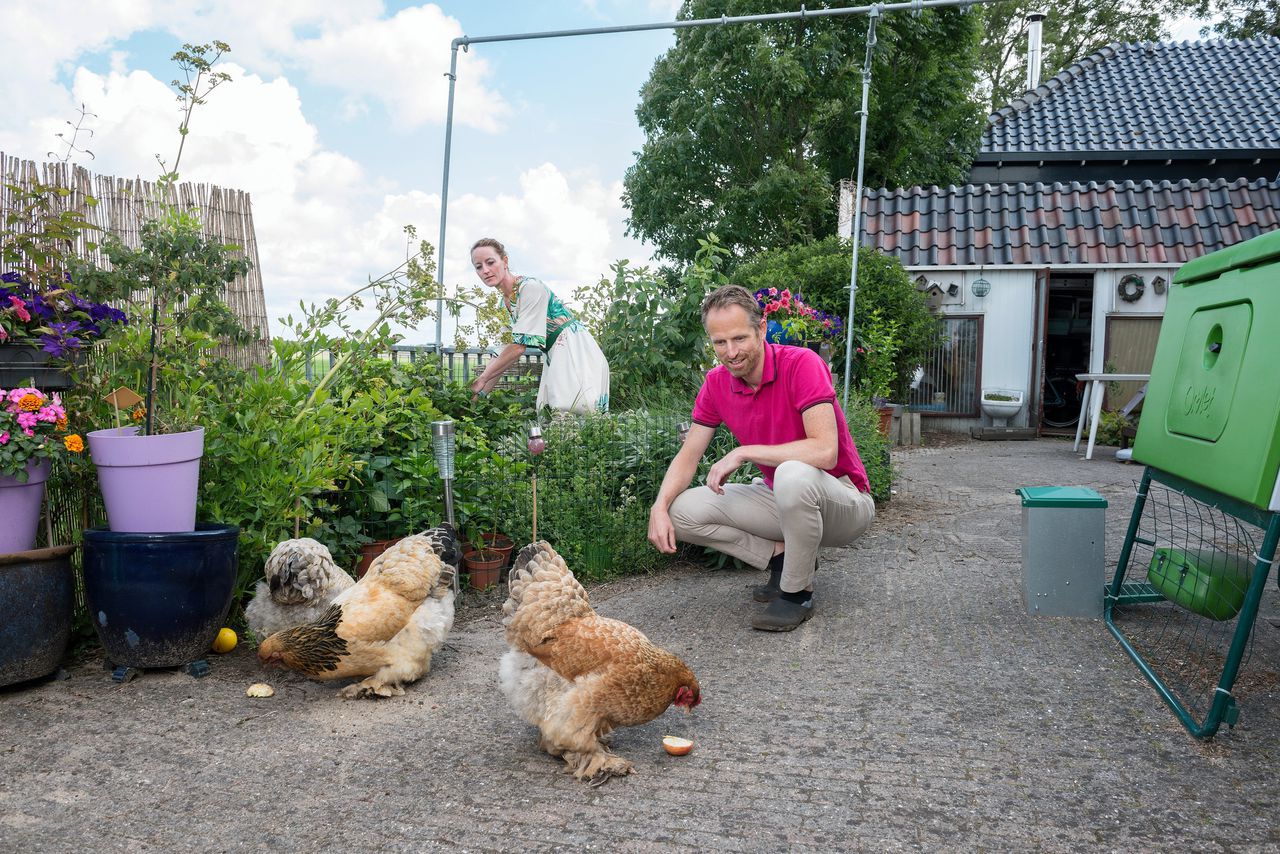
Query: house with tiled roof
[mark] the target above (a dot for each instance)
(1088, 192)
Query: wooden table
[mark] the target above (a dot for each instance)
(1091, 403)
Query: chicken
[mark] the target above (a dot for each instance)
(299, 584)
(576, 675)
(385, 628)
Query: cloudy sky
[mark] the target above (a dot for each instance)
(334, 123)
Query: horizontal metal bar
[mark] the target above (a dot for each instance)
(879, 8)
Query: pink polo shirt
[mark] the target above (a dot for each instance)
(794, 379)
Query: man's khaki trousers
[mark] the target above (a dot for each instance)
(806, 509)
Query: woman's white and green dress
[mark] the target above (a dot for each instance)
(575, 375)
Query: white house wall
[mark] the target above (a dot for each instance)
(1008, 313)
(1107, 302)
(1008, 318)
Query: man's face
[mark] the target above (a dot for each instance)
(739, 345)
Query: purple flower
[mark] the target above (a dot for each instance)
(59, 348)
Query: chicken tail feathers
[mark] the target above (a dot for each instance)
(444, 542)
(542, 594)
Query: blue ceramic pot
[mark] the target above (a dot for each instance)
(158, 600)
(37, 601)
(776, 333)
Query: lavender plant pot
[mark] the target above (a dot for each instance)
(20, 508)
(148, 483)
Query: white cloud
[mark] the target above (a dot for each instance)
(323, 224)
(402, 62)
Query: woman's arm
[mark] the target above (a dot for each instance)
(492, 372)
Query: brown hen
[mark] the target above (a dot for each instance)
(576, 675)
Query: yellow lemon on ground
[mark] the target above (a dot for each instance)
(225, 641)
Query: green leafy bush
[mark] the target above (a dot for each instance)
(820, 271)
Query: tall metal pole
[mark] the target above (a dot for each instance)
(444, 199)
(873, 12)
(856, 232)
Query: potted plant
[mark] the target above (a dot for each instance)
(483, 565)
(876, 352)
(790, 320)
(149, 472)
(33, 637)
(33, 431)
(47, 317)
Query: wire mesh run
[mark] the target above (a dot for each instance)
(1185, 597)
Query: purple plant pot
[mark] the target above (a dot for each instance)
(20, 508)
(148, 483)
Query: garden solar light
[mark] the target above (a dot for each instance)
(537, 445)
(442, 443)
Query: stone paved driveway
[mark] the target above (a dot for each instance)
(921, 709)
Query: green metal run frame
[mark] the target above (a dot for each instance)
(1223, 707)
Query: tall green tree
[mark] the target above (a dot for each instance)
(1072, 30)
(1239, 19)
(751, 126)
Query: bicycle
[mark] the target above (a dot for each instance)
(1061, 401)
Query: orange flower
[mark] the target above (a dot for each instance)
(139, 413)
(73, 443)
(30, 403)
(62, 423)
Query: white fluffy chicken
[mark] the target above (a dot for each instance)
(300, 581)
(385, 628)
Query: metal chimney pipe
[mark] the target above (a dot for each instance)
(1034, 27)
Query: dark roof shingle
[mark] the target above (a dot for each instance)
(1204, 96)
(1057, 224)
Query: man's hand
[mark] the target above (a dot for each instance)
(720, 472)
(661, 532)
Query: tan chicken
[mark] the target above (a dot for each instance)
(385, 628)
(576, 675)
(300, 581)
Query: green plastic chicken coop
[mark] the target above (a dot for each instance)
(1184, 598)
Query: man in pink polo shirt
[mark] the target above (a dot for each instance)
(780, 404)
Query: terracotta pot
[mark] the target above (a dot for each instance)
(500, 543)
(369, 551)
(886, 419)
(484, 568)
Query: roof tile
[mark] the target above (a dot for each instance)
(1144, 97)
(1094, 224)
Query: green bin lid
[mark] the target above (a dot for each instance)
(1264, 247)
(1060, 496)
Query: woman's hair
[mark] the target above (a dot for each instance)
(728, 295)
(492, 244)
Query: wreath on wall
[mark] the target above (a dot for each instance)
(1130, 287)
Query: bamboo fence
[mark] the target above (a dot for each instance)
(125, 204)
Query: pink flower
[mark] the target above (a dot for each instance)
(3, 335)
(20, 309)
(26, 420)
(773, 292)
(4, 438)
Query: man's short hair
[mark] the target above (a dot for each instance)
(729, 295)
